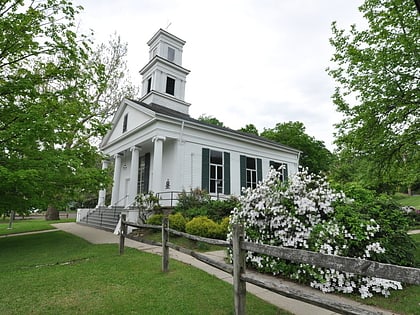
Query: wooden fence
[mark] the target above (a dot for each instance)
(241, 276)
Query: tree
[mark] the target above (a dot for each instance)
(315, 156)
(112, 56)
(376, 70)
(210, 120)
(49, 81)
(250, 128)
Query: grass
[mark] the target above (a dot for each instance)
(58, 273)
(43, 263)
(28, 225)
(407, 200)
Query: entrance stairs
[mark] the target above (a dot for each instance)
(104, 218)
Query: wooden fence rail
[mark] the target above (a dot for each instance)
(241, 276)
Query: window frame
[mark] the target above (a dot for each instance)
(216, 182)
(170, 86)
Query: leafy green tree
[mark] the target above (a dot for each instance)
(211, 120)
(49, 81)
(315, 156)
(377, 75)
(250, 128)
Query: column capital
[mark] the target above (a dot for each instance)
(157, 138)
(135, 148)
(118, 155)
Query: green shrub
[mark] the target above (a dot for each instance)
(195, 212)
(177, 222)
(219, 209)
(193, 199)
(155, 219)
(203, 226)
(307, 213)
(387, 213)
(224, 227)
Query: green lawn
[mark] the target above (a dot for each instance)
(29, 225)
(68, 275)
(58, 273)
(407, 200)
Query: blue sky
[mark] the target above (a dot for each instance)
(260, 62)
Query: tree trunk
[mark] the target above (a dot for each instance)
(52, 213)
(12, 218)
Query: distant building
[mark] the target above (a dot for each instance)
(154, 145)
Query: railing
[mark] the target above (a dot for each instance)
(241, 276)
(171, 198)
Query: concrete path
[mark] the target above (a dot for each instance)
(96, 236)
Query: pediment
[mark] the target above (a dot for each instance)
(128, 117)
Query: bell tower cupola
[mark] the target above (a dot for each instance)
(163, 77)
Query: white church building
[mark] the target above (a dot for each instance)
(154, 145)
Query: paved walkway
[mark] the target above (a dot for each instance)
(96, 236)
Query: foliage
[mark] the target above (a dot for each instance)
(250, 128)
(205, 227)
(315, 156)
(376, 70)
(220, 209)
(148, 204)
(192, 199)
(155, 219)
(50, 262)
(177, 222)
(47, 86)
(199, 203)
(307, 213)
(388, 214)
(210, 120)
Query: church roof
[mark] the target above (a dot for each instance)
(159, 109)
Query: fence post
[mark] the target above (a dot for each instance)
(165, 248)
(123, 232)
(239, 285)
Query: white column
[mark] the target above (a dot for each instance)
(157, 181)
(134, 174)
(102, 192)
(116, 184)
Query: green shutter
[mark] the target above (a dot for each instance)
(205, 169)
(259, 170)
(242, 171)
(286, 171)
(226, 175)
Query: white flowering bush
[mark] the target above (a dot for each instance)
(302, 214)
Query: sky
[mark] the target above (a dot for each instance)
(258, 62)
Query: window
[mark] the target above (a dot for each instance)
(283, 170)
(215, 176)
(170, 86)
(216, 172)
(125, 122)
(250, 171)
(149, 85)
(171, 54)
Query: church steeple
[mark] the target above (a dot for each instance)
(163, 77)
